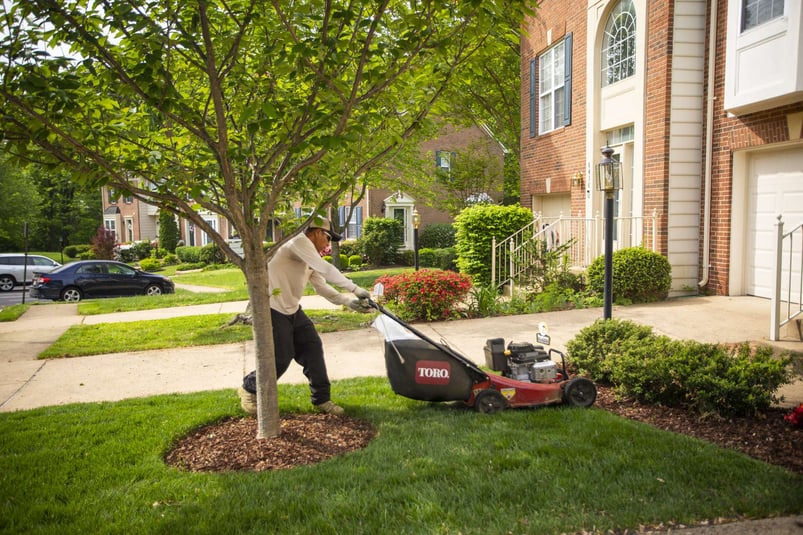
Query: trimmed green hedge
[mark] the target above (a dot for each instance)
(476, 228)
(706, 378)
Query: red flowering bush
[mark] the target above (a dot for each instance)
(427, 294)
(796, 416)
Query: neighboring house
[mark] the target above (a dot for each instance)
(702, 102)
(439, 153)
(129, 218)
(132, 220)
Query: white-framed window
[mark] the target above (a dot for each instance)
(757, 12)
(212, 222)
(618, 58)
(110, 224)
(443, 159)
(354, 215)
(551, 84)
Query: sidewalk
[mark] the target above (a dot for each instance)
(27, 383)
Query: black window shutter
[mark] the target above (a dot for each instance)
(533, 97)
(567, 82)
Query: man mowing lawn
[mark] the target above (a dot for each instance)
(295, 264)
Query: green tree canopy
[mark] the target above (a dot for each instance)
(240, 107)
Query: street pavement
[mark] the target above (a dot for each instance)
(26, 382)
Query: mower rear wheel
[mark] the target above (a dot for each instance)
(490, 402)
(580, 392)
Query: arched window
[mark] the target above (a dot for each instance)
(619, 44)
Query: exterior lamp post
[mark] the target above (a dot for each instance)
(609, 179)
(416, 223)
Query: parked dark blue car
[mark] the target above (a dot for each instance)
(97, 278)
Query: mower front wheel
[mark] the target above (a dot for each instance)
(490, 402)
(580, 392)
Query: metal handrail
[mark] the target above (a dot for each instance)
(787, 281)
(512, 256)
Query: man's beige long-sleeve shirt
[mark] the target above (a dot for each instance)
(297, 263)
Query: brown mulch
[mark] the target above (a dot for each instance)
(304, 439)
(311, 438)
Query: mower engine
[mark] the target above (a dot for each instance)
(521, 361)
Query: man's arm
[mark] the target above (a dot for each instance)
(306, 252)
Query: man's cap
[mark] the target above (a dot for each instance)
(325, 224)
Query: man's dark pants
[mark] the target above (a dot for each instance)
(295, 338)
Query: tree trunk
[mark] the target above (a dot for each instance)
(256, 274)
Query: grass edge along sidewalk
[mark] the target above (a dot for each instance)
(183, 331)
(431, 468)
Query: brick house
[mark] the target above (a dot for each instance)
(379, 202)
(133, 220)
(702, 102)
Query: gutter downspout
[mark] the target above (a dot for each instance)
(709, 142)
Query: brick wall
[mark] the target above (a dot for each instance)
(730, 134)
(561, 153)
(657, 101)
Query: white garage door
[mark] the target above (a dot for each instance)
(775, 188)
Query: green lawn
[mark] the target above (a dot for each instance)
(208, 329)
(232, 280)
(433, 468)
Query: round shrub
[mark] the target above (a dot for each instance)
(170, 260)
(350, 247)
(426, 257)
(446, 258)
(405, 257)
(188, 254)
(355, 261)
(211, 254)
(141, 249)
(426, 294)
(149, 264)
(639, 275)
(591, 350)
(72, 251)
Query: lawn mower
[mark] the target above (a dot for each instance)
(422, 369)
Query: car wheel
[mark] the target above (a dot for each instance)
(71, 294)
(6, 283)
(153, 289)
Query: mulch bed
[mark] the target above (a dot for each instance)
(311, 438)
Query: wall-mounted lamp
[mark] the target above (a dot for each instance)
(577, 180)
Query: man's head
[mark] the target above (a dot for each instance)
(321, 233)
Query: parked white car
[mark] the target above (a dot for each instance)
(12, 268)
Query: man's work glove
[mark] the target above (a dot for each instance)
(362, 293)
(359, 305)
